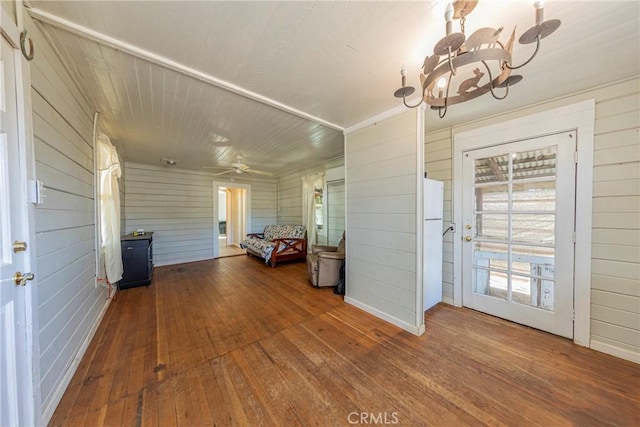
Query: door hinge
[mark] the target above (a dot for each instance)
(573, 315)
(575, 157)
(574, 237)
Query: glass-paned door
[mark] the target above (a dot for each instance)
(518, 231)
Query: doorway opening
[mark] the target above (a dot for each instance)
(231, 218)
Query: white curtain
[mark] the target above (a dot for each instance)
(309, 185)
(109, 193)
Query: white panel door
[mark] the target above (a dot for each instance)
(518, 230)
(14, 377)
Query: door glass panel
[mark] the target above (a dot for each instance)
(490, 276)
(490, 282)
(533, 254)
(491, 255)
(537, 196)
(532, 291)
(492, 198)
(534, 228)
(492, 169)
(535, 163)
(492, 226)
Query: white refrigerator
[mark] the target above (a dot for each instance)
(432, 242)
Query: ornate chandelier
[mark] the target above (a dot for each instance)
(475, 65)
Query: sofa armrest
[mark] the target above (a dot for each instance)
(323, 248)
(290, 242)
(255, 235)
(331, 255)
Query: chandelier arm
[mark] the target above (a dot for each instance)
(491, 83)
(441, 114)
(528, 60)
(404, 100)
(451, 67)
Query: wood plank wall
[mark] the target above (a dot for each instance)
(263, 204)
(615, 279)
(615, 265)
(177, 205)
(290, 192)
(381, 218)
(335, 212)
(69, 303)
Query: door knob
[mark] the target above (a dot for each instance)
(21, 279)
(467, 238)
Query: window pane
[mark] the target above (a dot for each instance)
(533, 228)
(492, 169)
(521, 289)
(489, 282)
(492, 198)
(493, 226)
(534, 196)
(534, 164)
(535, 292)
(533, 254)
(490, 255)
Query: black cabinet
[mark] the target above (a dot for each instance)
(137, 260)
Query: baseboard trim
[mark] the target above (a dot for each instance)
(48, 411)
(615, 351)
(416, 330)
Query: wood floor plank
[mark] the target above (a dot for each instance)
(232, 342)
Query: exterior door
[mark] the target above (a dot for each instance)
(14, 365)
(518, 231)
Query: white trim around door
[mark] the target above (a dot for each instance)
(579, 117)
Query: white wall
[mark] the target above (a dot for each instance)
(615, 266)
(69, 304)
(381, 212)
(177, 205)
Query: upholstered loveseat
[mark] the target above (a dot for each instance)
(277, 243)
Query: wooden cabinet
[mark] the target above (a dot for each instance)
(137, 260)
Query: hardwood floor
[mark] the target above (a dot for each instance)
(229, 250)
(233, 342)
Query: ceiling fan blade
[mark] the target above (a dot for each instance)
(259, 172)
(224, 173)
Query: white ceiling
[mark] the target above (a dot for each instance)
(338, 61)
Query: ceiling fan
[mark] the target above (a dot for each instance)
(239, 168)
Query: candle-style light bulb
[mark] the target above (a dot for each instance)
(448, 16)
(403, 73)
(539, 6)
(448, 13)
(441, 84)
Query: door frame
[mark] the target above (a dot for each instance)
(216, 226)
(579, 117)
(31, 396)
